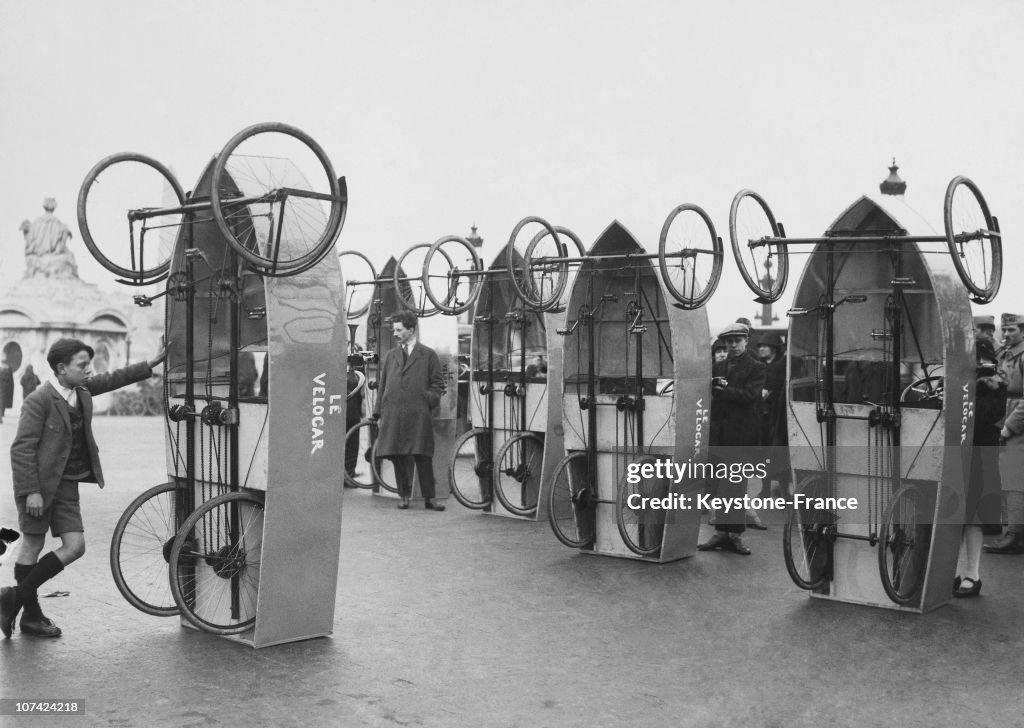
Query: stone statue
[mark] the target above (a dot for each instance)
(46, 249)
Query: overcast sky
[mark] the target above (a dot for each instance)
(449, 113)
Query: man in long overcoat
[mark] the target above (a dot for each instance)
(736, 391)
(411, 384)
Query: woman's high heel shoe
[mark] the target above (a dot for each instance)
(963, 591)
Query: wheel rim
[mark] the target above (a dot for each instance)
(517, 474)
(359, 275)
(517, 254)
(267, 208)
(139, 551)
(215, 563)
(903, 546)
(978, 260)
(690, 256)
(807, 548)
(751, 219)
(408, 280)
(571, 502)
(469, 469)
(642, 528)
(117, 185)
(457, 272)
(362, 435)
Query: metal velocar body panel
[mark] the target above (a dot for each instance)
(676, 380)
(291, 428)
(936, 338)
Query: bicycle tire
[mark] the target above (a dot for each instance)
(525, 290)
(354, 312)
(470, 463)
(522, 473)
(136, 276)
(571, 502)
(806, 547)
(450, 305)
(140, 549)
(218, 549)
(353, 480)
(965, 215)
(690, 299)
(235, 218)
(642, 534)
(903, 545)
(563, 267)
(404, 289)
(767, 227)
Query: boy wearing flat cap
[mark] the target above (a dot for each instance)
(52, 453)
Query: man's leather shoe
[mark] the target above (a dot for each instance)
(40, 627)
(432, 506)
(9, 606)
(720, 540)
(738, 546)
(1008, 543)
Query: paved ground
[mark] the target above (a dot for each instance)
(458, 619)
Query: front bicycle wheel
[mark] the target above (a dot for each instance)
(973, 238)
(572, 502)
(470, 468)
(459, 284)
(276, 199)
(806, 543)
(362, 435)
(146, 192)
(757, 246)
(140, 550)
(360, 279)
(408, 280)
(383, 470)
(215, 563)
(903, 545)
(518, 467)
(690, 256)
(641, 526)
(536, 280)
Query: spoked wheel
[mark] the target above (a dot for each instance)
(690, 256)
(640, 526)
(215, 563)
(763, 265)
(276, 199)
(144, 191)
(359, 275)
(408, 279)
(383, 470)
(518, 467)
(808, 536)
(572, 501)
(972, 235)
(365, 433)
(140, 550)
(925, 392)
(537, 282)
(903, 545)
(470, 468)
(452, 288)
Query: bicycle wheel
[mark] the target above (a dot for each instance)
(274, 216)
(361, 384)
(903, 544)
(383, 471)
(806, 537)
(572, 501)
(145, 191)
(536, 281)
(364, 433)
(470, 467)
(972, 235)
(690, 256)
(462, 282)
(925, 392)
(140, 550)
(518, 467)
(408, 280)
(751, 221)
(360, 277)
(641, 527)
(215, 563)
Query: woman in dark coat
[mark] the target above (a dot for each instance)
(984, 488)
(6, 389)
(775, 433)
(29, 382)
